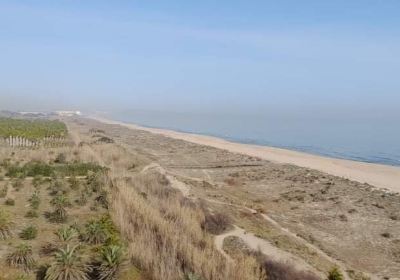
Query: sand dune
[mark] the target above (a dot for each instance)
(381, 176)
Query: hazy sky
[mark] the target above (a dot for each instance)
(305, 57)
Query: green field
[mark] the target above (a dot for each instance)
(31, 129)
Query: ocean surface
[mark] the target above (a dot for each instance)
(367, 141)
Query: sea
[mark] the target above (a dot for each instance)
(372, 141)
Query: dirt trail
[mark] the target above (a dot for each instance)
(274, 253)
(251, 240)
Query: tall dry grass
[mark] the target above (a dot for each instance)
(164, 233)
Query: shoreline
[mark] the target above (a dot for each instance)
(377, 175)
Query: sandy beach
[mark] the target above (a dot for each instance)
(381, 176)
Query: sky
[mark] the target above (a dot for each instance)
(292, 58)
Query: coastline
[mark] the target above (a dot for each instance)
(378, 175)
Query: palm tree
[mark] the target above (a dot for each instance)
(5, 225)
(111, 263)
(21, 257)
(95, 232)
(67, 266)
(59, 203)
(66, 234)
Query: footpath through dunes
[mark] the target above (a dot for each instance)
(324, 220)
(381, 176)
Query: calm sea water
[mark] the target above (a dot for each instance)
(372, 141)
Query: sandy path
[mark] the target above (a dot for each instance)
(378, 175)
(274, 253)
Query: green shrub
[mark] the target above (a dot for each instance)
(60, 213)
(335, 274)
(31, 214)
(29, 233)
(9, 202)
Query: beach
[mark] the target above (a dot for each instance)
(377, 175)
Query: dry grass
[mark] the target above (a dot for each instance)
(165, 234)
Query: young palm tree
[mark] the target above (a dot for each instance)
(111, 262)
(66, 234)
(21, 257)
(35, 200)
(59, 203)
(95, 233)
(5, 225)
(67, 266)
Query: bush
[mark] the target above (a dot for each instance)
(9, 202)
(216, 223)
(31, 214)
(29, 233)
(335, 274)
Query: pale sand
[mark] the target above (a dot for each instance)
(381, 176)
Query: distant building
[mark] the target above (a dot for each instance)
(68, 113)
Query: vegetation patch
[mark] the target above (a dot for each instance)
(31, 129)
(36, 168)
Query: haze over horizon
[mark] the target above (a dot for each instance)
(336, 59)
